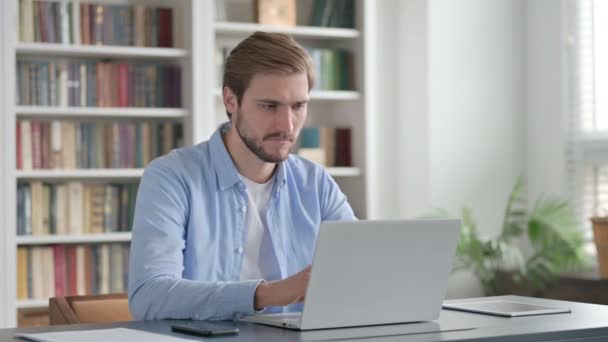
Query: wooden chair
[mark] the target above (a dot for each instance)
(89, 309)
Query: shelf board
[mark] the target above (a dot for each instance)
(85, 238)
(320, 95)
(80, 174)
(133, 173)
(334, 95)
(97, 112)
(236, 28)
(344, 171)
(32, 304)
(46, 49)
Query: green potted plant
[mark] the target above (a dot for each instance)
(551, 230)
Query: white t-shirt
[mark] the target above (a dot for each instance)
(259, 259)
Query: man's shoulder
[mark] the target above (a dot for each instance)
(183, 159)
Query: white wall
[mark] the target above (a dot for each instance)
(476, 105)
(400, 115)
(452, 103)
(545, 81)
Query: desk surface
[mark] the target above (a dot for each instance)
(586, 322)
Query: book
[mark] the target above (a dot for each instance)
(62, 209)
(61, 270)
(333, 13)
(76, 206)
(343, 147)
(276, 12)
(22, 270)
(80, 270)
(26, 145)
(37, 214)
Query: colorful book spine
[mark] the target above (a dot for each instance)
(64, 22)
(74, 208)
(72, 144)
(101, 84)
(64, 270)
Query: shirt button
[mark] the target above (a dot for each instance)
(238, 250)
(243, 208)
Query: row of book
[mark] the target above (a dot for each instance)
(68, 22)
(333, 13)
(334, 69)
(98, 84)
(74, 208)
(328, 146)
(66, 144)
(67, 270)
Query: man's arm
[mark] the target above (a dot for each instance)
(156, 287)
(334, 205)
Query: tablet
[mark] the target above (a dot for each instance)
(505, 308)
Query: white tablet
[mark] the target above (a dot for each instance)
(505, 308)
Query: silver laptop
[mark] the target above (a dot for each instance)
(374, 272)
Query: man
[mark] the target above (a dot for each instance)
(228, 227)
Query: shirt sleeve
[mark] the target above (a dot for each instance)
(156, 287)
(334, 204)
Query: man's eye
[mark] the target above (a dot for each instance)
(268, 106)
(299, 105)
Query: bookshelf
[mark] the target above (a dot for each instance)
(197, 37)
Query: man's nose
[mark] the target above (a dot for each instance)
(285, 119)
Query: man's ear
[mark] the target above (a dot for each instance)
(230, 101)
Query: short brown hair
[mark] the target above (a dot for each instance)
(264, 53)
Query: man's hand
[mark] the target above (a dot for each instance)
(282, 292)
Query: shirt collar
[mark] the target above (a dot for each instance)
(225, 169)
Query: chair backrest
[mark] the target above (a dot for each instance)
(89, 309)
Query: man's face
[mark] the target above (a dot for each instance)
(272, 113)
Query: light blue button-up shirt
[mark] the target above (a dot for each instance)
(190, 228)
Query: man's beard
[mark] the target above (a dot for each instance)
(256, 147)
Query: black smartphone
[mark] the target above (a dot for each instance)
(204, 329)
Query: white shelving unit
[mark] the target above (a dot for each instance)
(197, 36)
(71, 239)
(101, 112)
(59, 174)
(232, 28)
(319, 95)
(32, 304)
(96, 51)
